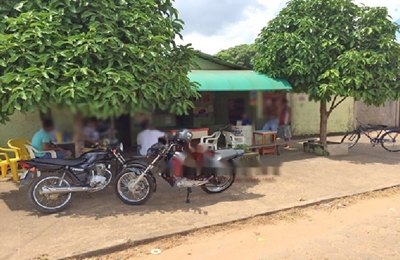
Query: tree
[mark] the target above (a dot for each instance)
(102, 58)
(239, 55)
(332, 49)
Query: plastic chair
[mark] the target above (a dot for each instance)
(12, 162)
(4, 163)
(19, 145)
(32, 150)
(211, 141)
(233, 140)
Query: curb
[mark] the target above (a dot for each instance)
(129, 243)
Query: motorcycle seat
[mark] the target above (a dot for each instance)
(61, 162)
(228, 154)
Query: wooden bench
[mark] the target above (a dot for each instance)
(264, 149)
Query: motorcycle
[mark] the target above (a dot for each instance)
(91, 172)
(135, 185)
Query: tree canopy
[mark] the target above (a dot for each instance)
(239, 55)
(331, 49)
(102, 57)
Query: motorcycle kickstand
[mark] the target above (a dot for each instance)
(188, 191)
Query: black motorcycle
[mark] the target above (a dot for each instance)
(215, 174)
(91, 172)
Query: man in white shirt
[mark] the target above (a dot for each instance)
(147, 137)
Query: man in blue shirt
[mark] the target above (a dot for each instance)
(41, 141)
(246, 120)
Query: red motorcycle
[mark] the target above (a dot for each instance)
(214, 172)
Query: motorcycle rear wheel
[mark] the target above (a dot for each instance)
(49, 203)
(226, 183)
(133, 195)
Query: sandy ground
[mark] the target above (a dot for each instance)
(361, 227)
(100, 220)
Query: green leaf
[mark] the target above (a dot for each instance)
(329, 48)
(100, 57)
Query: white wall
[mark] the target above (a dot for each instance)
(388, 114)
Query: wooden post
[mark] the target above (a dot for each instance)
(323, 123)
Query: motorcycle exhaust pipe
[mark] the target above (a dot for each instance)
(59, 190)
(190, 183)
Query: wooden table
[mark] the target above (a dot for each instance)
(265, 142)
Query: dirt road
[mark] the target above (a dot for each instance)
(96, 221)
(364, 227)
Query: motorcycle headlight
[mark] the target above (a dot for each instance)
(121, 147)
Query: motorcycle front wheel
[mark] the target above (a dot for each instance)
(219, 183)
(133, 194)
(49, 203)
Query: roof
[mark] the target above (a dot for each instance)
(236, 80)
(220, 61)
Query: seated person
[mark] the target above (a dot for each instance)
(41, 141)
(246, 120)
(147, 137)
(271, 125)
(90, 134)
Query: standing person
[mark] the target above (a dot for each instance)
(285, 131)
(42, 141)
(147, 137)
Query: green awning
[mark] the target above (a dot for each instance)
(236, 80)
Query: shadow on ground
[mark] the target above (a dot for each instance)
(171, 200)
(106, 204)
(364, 153)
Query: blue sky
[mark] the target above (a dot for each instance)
(398, 35)
(213, 25)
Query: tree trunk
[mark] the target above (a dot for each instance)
(323, 129)
(78, 135)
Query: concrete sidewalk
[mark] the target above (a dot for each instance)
(100, 220)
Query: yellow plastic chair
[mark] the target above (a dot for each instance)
(12, 162)
(19, 145)
(4, 164)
